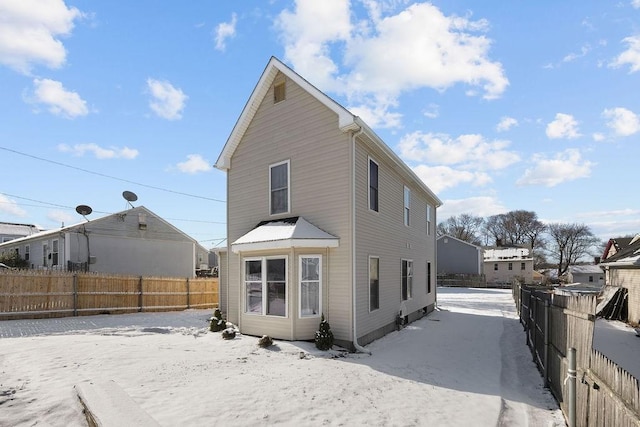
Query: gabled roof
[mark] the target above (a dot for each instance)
(459, 240)
(628, 256)
(346, 120)
(294, 232)
(617, 243)
(585, 269)
(75, 227)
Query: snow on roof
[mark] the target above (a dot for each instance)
(585, 269)
(12, 229)
(285, 233)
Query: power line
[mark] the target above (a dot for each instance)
(109, 176)
(101, 212)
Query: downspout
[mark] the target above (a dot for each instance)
(357, 346)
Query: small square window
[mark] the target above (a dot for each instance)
(279, 93)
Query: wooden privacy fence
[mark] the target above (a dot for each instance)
(35, 294)
(605, 394)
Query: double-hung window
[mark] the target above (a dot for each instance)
(265, 284)
(45, 250)
(428, 219)
(374, 283)
(54, 252)
(407, 205)
(279, 188)
(373, 185)
(523, 266)
(26, 252)
(510, 266)
(310, 285)
(407, 279)
(428, 277)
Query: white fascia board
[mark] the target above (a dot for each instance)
(285, 244)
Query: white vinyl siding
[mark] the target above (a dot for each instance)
(279, 178)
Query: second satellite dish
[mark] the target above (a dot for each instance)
(129, 196)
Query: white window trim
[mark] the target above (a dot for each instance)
(300, 315)
(271, 166)
(370, 159)
(409, 289)
(428, 219)
(27, 251)
(263, 260)
(369, 275)
(406, 209)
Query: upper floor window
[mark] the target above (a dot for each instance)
(373, 185)
(407, 205)
(279, 188)
(523, 266)
(428, 219)
(510, 266)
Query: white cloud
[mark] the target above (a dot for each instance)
(30, 33)
(635, 4)
(194, 164)
(380, 54)
(483, 206)
(166, 101)
(564, 166)
(59, 101)
(584, 50)
(470, 151)
(10, 207)
(61, 217)
(631, 56)
(99, 152)
(439, 178)
(506, 123)
(432, 111)
(224, 31)
(598, 137)
(623, 122)
(564, 126)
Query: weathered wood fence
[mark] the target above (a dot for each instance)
(462, 280)
(37, 294)
(606, 395)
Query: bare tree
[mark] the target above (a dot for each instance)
(515, 228)
(465, 227)
(569, 243)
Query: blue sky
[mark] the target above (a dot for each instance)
(496, 105)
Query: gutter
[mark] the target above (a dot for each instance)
(357, 346)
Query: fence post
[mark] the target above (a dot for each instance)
(547, 318)
(571, 377)
(75, 295)
(188, 300)
(140, 294)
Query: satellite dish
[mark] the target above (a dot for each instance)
(84, 210)
(129, 196)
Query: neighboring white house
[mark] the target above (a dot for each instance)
(504, 264)
(322, 218)
(11, 231)
(132, 242)
(585, 274)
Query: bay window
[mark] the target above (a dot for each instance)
(310, 286)
(266, 277)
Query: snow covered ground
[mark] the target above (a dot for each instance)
(618, 341)
(466, 364)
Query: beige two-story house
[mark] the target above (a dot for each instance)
(322, 218)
